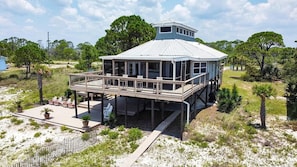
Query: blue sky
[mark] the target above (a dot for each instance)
(86, 20)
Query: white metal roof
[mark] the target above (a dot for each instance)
(170, 49)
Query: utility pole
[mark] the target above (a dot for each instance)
(48, 43)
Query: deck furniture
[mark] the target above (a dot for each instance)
(71, 104)
(59, 101)
(107, 111)
(52, 100)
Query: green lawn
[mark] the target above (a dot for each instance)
(252, 102)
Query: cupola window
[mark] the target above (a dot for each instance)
(165, 29)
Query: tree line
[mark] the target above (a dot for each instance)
(263, 56)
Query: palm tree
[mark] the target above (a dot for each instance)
(263, 91)
(42, 71)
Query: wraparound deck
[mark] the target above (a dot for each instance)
(158, 89)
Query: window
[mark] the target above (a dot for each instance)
(119, 68)
(181, 31)
(177, 29)
(107, 66)
(154, 67)
(199, 67)
(165, 29)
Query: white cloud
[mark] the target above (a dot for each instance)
(29, 21)
(199, 5)
(4, 22)
(235, 19)
(23, 6)
(29, 28)
(293, 14)
(69, 11)
(86, 20)
(178, 13)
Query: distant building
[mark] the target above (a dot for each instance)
(3, 65)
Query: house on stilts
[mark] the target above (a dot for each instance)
(172, 68)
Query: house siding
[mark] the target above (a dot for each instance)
(173, 34)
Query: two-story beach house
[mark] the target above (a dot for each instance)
(171, 68)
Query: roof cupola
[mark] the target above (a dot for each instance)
(174, 30)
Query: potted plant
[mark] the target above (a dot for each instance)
(85, 121)
(19, 106)
(46, 112)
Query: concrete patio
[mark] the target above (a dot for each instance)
(65, 116)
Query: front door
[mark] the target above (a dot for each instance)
(133, 68)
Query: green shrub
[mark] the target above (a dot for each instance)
(133, 145)
(37, 134)
(64, 128)
(14, 76)
(227, 100)
(105, 131)
(250, 130)
(252, 74)
(121, 128)
(16, 121)
(198, 137)
(43, 152)
(34, 124)
(2, 134)
(290, 138)
(134, 134)
(46, 126)
(224, 139)
(113, 135)
(68, 93)
(199, 140)
(85, 136)
(48, 140)
(255, 150)
(5, 117)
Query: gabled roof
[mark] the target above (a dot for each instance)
(170, 50)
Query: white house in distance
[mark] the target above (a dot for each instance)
(172, 68)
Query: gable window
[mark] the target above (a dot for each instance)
(165, 29)
(199, 67)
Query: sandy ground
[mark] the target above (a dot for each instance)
(15, 140)
(166, 150)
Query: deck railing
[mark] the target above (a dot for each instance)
(122, 85)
